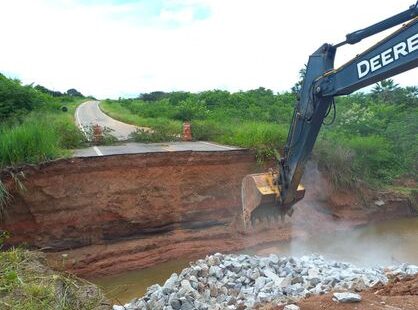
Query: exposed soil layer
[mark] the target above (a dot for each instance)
(397, 295)
(398, 287)
(117, 213)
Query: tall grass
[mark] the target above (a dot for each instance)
(39, 137)
(253, 134)
(4, 200)
(30, 142)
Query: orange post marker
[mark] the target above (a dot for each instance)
(187, 132)
(97, 134)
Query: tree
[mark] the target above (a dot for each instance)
(385, 90)
(190, 109)
(178, 96)
(298, 85)
(45, 90)
(215, 98)
(72, 92)
(17, 100)
(153, 96)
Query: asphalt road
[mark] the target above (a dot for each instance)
(89, 113)
(135, 148)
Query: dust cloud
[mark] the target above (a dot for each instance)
(319, 232)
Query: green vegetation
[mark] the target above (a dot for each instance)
(374, 137)
(36, 124)
(4, 200)
(5, 192)
(255, 119)
(27, 283)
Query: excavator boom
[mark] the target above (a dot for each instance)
(273, 194)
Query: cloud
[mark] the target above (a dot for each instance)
(110, 48)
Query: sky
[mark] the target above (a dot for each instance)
(121, 48)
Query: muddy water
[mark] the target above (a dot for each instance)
(123, 287)
(381, 244)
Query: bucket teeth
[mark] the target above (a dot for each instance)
(268, 216)
(261, 200)
(259, 197)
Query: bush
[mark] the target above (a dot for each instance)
(206, 130)
(337, 161)
(375, 159)
(17, 100)
(102, 137)
(190, 110)
(70, 137)
(160, 132)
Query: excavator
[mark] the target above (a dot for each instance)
(274, 194)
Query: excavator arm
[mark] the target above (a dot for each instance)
(273, 194)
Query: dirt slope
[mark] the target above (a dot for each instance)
(118, 213)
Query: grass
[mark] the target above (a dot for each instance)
(5, 193)
(121, 113)
(4, 200)
(264, 137)
(33, 141)
(27, 283)
(40, 136)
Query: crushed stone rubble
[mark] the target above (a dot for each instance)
(242, 282)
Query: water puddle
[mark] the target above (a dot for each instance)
(123, 287)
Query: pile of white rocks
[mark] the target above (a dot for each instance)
(242, 282)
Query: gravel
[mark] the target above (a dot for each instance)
(242, 282)
(346, 297)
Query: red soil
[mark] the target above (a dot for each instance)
(116, 213)
(397, 295)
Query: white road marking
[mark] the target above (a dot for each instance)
(168, 149)
(77, 118)
(96, 149)
(217, 145)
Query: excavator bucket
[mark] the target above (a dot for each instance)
(260, 199)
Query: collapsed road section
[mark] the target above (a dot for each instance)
(116, 213)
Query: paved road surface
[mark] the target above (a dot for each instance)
(134, 148)
(89, 113)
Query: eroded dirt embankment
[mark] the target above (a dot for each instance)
(117, 213)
